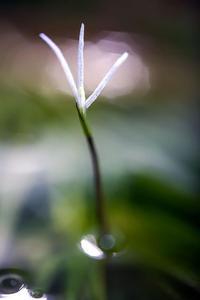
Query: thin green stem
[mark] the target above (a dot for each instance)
(100, 205)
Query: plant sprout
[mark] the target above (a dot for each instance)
(82, 104)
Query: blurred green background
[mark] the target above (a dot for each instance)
(147, 138)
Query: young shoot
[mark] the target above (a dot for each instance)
(82, 104)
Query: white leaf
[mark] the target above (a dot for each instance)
(81, 92)
(63, 63)
(106, 79)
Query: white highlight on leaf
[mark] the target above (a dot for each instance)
(106, 79)
(81, 92)
(63, 63)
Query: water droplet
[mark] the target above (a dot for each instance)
(10, 283)
(107, 242)
(13, 287)
(89, 246)
(106, 246)
(37, 293)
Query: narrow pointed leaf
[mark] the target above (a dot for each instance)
(81, 92)
(106, 79)
(63, 63)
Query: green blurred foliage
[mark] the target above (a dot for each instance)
(156, 219)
